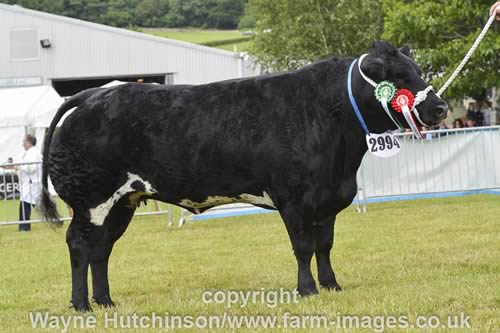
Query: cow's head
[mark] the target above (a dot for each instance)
(386, 63)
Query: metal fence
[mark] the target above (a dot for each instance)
(22, 182)
(454, 160)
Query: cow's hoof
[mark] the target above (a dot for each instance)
(83, 306)
(104, 302)
(331, 286)
(308, 290)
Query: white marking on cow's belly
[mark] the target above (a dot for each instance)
(265, 199)
(99, 213)
(216, 200)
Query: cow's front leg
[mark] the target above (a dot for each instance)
(79, 251)
(301, 236)
(324, 235)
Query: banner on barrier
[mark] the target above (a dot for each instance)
(446, 161)
(9, 186)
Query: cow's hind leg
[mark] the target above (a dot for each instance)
(324, 235)
(77, 238)
(114, 226)
(301, 236)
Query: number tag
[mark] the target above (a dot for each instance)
(383, 145)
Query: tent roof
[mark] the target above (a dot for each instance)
(28, 106)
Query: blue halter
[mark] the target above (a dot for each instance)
(353, 101)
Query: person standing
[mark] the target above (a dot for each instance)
(489, 114)
(30, 179)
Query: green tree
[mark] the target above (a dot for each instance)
(89, 10)
(150, 13)
(441, 32)
(291, 33)
(188, 13)
(248, 20)
(225, 14)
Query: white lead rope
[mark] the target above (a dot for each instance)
(467, 57)
(419, 98)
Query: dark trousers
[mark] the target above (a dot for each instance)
(24, 215)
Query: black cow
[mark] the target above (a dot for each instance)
(286, 141)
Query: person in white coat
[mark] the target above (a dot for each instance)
(30, 180)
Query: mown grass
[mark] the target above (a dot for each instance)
(429, 257)
(202, 36)
(236, 47)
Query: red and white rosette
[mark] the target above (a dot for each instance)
(403, 102)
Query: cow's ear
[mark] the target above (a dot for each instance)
(382, 48)
(405, 50)
(374, 67)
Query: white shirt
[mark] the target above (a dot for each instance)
(30, 176)
(487, 115)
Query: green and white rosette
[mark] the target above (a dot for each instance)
(384, 93)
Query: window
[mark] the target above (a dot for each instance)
(23, 44)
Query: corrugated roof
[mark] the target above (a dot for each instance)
(129, 33)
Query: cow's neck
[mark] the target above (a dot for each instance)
(353, 135)
(376, 119)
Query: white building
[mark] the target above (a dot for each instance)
(38, 48)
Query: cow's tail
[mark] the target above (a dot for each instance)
(47, 205)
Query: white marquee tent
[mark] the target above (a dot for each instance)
(22, 109)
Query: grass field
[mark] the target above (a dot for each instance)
(430, 257)
(229, 39)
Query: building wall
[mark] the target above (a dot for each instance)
(81, 49)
